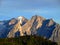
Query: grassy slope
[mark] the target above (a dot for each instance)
(26, 40)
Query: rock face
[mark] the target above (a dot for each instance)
(56, 34)
(37, 25)
(17, 28)
(30, 28)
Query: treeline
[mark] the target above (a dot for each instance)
(26, 40)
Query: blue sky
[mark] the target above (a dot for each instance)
(28, 8)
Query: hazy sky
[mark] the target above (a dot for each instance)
(28, 8)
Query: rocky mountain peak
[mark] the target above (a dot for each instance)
(51, 22)
(36, 17)
(22, 20)
(37, 25)
(13, 21)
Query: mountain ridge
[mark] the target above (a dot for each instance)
(37, 25)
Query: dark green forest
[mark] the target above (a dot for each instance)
(26, 40)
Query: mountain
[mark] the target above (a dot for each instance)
(37, 25)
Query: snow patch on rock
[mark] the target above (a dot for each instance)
(20, 19)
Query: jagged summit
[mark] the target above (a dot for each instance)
(37, 25)
(20, 18)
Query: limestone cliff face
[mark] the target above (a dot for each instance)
(56, 34)
(30, 28)
(17, 28)
(37, 25)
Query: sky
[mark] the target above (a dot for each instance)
(27, 8)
